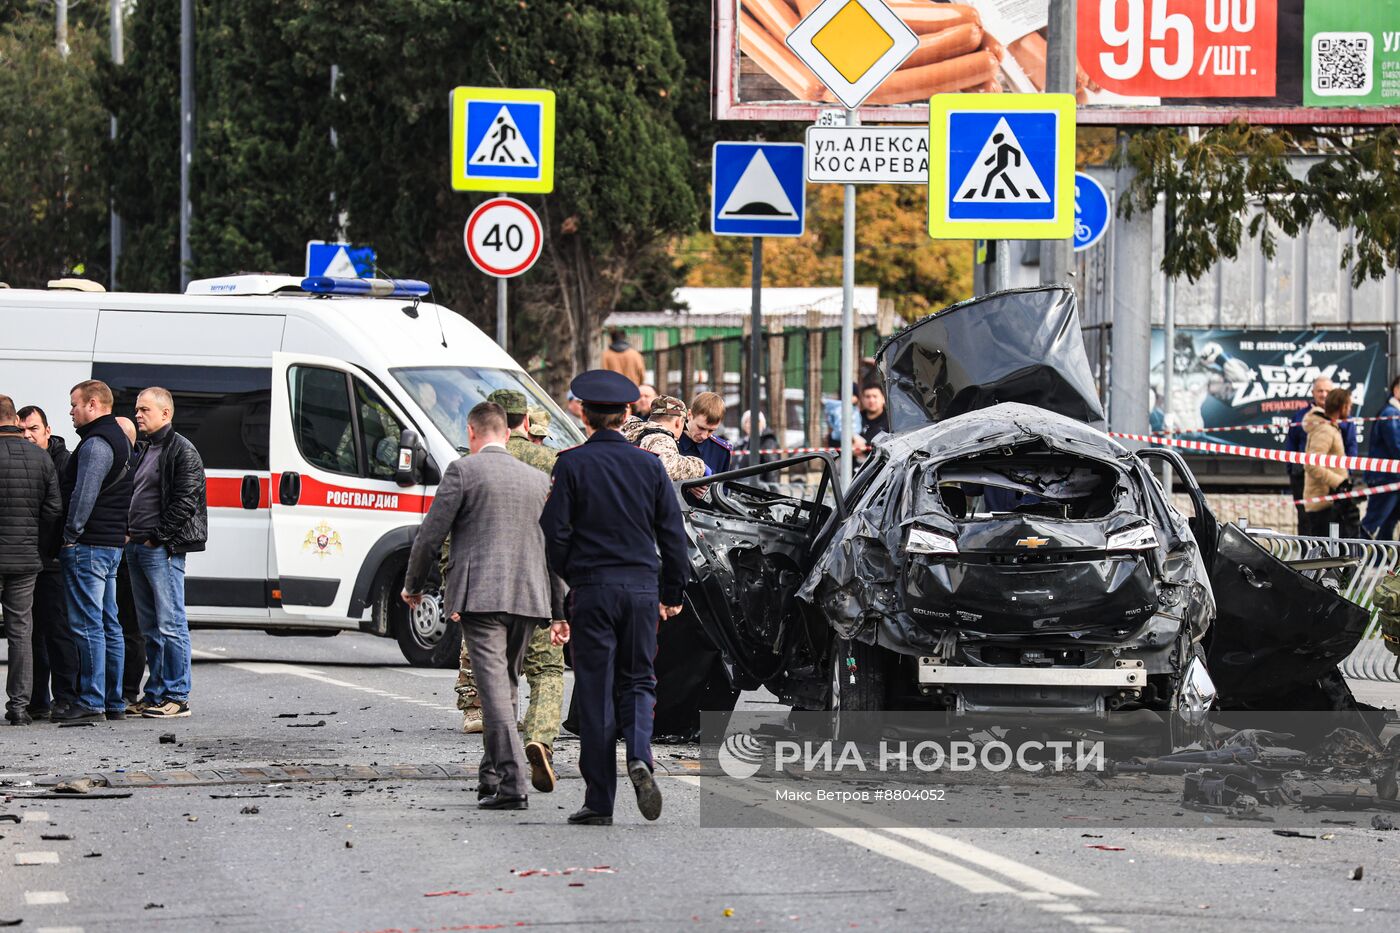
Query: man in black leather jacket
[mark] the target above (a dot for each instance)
(55, 652)
(168, 519)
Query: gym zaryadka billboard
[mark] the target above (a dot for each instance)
(1140, 61)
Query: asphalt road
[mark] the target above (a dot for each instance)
(401, 855)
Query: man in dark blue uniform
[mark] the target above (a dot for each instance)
(699, 438)
(611, 509)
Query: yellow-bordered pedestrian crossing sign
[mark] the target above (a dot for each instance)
(1001, 166)
(502, 140)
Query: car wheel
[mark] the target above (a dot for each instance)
(425, 635)
(857, 684)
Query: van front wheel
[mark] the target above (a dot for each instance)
(425, 636)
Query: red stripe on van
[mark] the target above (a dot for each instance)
(316, 493)
(226, 492)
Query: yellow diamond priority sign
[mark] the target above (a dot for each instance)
(852, 46)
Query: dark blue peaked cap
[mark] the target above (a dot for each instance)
(603, 388)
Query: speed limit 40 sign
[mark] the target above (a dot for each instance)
(503, 237)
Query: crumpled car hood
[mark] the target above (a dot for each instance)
(856, 578)
(1022, 345)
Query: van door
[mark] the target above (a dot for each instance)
(334, 451)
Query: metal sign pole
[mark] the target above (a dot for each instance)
(755, 349)
(501, 326)
(1168, 329)
(848, 333)
(501, 312)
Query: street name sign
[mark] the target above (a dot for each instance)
(1001, 166)
(503, 237)
(758, 189)
(502, 140)
(867, 155)
(852, 46)
(341, 260)
(1092, 211)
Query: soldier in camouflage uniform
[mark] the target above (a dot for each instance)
(659, 434)
(544, 662)
(539, 425)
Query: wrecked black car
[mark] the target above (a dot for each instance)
(999, 552)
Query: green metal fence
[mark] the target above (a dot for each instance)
(801, 366)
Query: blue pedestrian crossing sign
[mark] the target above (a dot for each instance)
(1092, 211)
(341, 260)
(1001, 166)
(758, 189)
(502, 140)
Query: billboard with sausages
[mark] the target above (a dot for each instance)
(1139, 61)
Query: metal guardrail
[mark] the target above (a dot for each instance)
(1370, 660)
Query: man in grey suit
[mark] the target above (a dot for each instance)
(497, 585)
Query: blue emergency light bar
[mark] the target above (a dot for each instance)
(374, 288)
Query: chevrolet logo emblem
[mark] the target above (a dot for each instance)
(1032, 542)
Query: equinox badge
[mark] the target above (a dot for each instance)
(1032, 542)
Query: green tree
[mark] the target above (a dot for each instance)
(1241, 180)
(145, 159)
(623, 177)
(53, 194)
(261, 177)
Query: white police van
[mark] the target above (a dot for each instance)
(325, 410)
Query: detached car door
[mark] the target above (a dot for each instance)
(334, 454)
(751, 544)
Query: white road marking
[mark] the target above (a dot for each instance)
(1059, 907)
(37, 816)
(420, 672)
(37, 898)
(1047, 888)
(59, 930)
(965, 878)
(293, 670)
(36, 858)
(1010, 868)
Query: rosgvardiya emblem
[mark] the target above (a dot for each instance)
(322, 541)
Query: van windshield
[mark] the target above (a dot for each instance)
(447, 394)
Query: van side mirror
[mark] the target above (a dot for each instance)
(412, 454)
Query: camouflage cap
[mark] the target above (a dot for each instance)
(539, 422)
(667, 405)
(511, 400)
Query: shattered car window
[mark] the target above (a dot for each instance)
(1050, 486)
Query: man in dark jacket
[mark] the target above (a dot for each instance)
(30, 513)
(97, 489)
(1383, 508)
(168, 519)
(55, 652)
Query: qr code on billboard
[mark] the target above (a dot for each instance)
(1343, 63)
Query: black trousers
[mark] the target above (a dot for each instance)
(134, 660)
(1295, 486)
(613, 634)
(55, 651)
(690, 677)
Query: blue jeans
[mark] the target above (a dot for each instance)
(90, 585)
(1382, 514)
(158, 588)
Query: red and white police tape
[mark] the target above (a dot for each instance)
(1261, 428)
(1376, 464)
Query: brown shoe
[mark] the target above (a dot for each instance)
(542, 776)
(472, 721)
